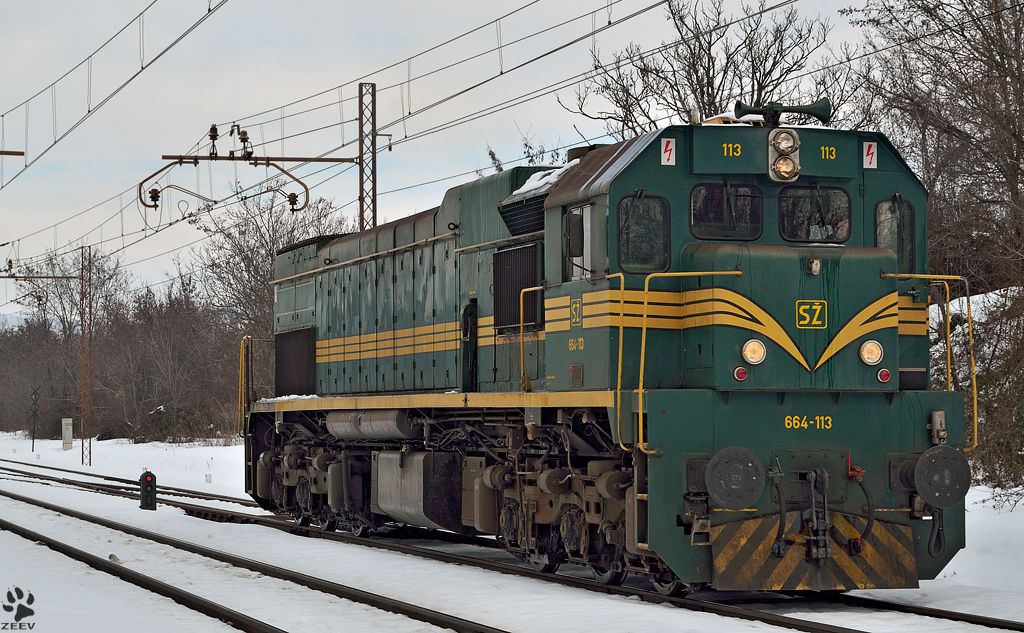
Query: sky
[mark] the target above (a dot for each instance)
(243, 64)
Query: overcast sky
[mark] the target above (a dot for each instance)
(255, 56)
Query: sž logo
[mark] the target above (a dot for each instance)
(18, 602)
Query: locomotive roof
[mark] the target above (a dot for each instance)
(594, 174)
(596, 171)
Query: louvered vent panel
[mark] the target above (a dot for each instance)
(515, 269)
(524, 216)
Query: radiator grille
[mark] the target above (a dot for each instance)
(515, 269)
(296, 357)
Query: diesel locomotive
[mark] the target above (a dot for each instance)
(699, 355)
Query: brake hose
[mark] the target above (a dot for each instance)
(856, 473)
(778, 548)
(937, 539)
(871, 510)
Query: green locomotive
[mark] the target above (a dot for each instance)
(699, 355)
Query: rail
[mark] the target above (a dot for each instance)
(192, 601)
(408, 609)
(487, 563)
(522, 341)
(245, 378)
(970, 336)
(641, 444)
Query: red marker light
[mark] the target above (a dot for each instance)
(740, 373)
(883, 375)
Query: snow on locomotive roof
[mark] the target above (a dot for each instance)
(540, 182)
(729, 118)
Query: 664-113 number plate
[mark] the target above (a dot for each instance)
(820, 422)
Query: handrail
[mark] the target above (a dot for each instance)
(949, 358)
(641, 444)
(243, 378)
(618, 384)
(522, 342)
(970, 337)
(505, 240)
(347, 262)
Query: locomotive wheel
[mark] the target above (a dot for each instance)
(540, 563)
(358, 531)
(304, 520)
(328, 522)
(673, 587)
(607, 576)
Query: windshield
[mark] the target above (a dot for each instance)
(814, 214)
(725, 211)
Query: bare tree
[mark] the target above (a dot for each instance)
(946, 83)
(714, 61)
(237, 263)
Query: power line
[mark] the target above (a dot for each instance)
(464, 91)
(277, 108)
(467, 118)
(106, 99)
(416, 78)
(84, 61)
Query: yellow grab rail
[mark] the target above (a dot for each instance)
(618, 384)
(970, 337)
(949, 357)
(641, 444)
(522, 342)
(243, 378)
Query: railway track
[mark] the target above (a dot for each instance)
(238, 620)
(207, 607)
(704, 603)
(129, 484)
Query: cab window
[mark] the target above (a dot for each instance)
(814, 214)
(725, 212)
(644, 233)
(894, 229)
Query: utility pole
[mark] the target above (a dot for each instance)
(85, 312)
(35, 414)
(367, 156)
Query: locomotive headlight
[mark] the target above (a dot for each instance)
(785, 143)
(753, 352)
(871, 352)
(786, 168)
(783, 155)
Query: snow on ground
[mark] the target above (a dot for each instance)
(985, 578)
(69, 596)
(183, 466)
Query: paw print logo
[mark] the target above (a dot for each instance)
(18, 602)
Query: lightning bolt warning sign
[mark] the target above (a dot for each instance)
(870, 155)
(668, 151)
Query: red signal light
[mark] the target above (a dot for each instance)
(149, 478)
(884, 375)
(740, 373)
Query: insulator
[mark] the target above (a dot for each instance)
(293, 199)
(154, 195)
(213, 132)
